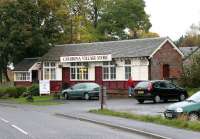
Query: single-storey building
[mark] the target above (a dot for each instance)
(28, 71)
(107, 63)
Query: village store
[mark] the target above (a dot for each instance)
(108, 63)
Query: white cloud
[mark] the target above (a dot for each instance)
(173, 17)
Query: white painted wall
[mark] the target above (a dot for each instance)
(139, 69)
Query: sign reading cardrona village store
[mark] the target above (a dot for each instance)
(87, 58)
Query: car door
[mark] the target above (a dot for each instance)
(163, 90)
(172, 90)
(75, 90)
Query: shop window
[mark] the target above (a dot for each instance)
(22, 76)
(50, 71)
(127, 66)
(79, 71)
(109, 71)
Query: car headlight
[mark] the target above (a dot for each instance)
(179, 110)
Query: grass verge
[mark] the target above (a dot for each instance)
(195, 126)
(38, 100)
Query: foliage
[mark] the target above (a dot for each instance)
(2, 92)
(34, 90)
(191, 73)
(152, 119)
(27, 29)
(11, 92)
(124, 14)
(192, 37)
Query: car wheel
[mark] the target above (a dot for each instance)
(86, 96)
(193, 116)
(140, 101)
(66, 96)
(156, 99)
(182, 97)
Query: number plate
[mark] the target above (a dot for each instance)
(140, 92)
(168, 115)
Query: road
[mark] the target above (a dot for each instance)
(34, 123)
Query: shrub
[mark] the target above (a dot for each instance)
(2, 92)
(191, 73)
(34, 90)
(21, 91)
(11, 92)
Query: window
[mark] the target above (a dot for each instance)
(127, 69)
(22, 76)
(50, 71)
(79, 71)
(109, 71)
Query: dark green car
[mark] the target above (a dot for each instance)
(82, 90)
(189, 107)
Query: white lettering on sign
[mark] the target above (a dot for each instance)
(86, 58)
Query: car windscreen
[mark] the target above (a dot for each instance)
(142, 85)
(195, 97)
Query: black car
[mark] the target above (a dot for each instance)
(158, 90)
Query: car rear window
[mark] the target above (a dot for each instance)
(142, 85)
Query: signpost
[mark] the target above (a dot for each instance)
(103, 97)
(44, 87)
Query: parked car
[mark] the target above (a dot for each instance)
(82, 90)
(158, 90)
(189, 107)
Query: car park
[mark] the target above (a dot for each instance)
(158, 90)
(82, 90)
(190, 107)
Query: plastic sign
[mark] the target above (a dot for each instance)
(88, 58)
(44, 87)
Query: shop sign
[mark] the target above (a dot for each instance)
(88, 58)
(44, 87)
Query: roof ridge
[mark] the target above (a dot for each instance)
(141, 39)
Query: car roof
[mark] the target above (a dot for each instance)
(90, 83)
(154, 81)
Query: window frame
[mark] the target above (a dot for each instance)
(111, 71)
(127, 65)
(27, 76)
(49, 70)
(78, 75)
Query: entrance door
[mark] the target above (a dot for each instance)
(166, 71)
(34, 76)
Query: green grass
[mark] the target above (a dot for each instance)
(195, 126)
(38, 100)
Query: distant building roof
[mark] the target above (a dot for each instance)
(187, 51)
(118, 49)
(26, 64)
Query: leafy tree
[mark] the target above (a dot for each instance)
(192, 37)
(28, 28)
(124, 14)
(191, 73)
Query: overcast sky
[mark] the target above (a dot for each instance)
(172, 17)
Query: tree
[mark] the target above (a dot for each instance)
(192, 37)
(124, 14)
(28, 28)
